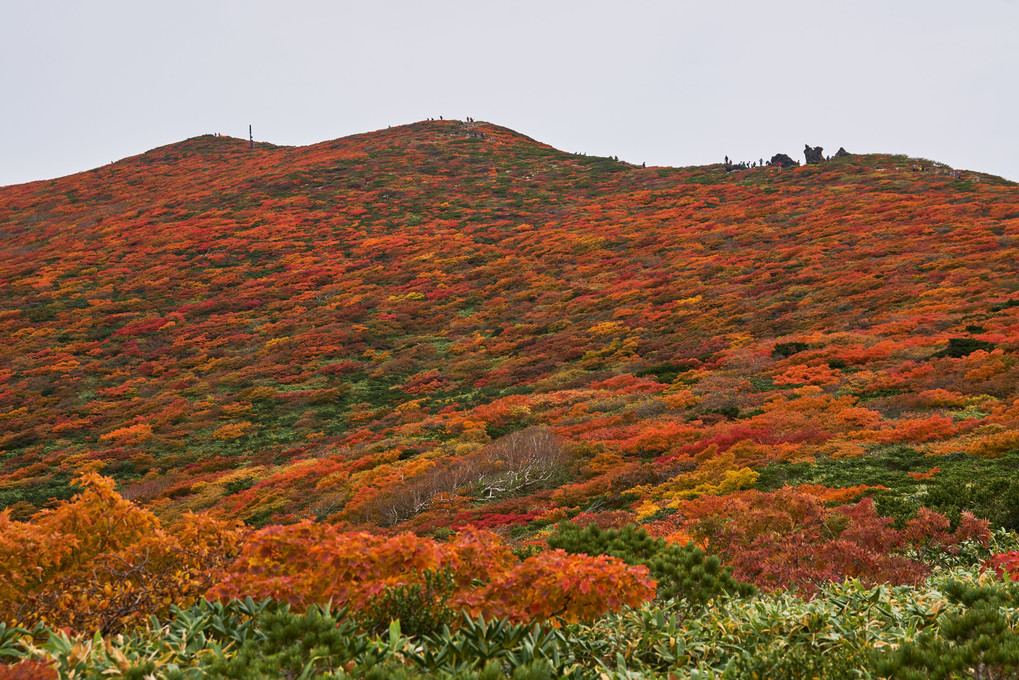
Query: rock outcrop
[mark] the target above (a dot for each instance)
(814, 154)
(782, 161)
(842, 153)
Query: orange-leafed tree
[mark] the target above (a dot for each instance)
(99, 562)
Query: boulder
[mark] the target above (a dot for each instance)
(842, 152)
(782, 161)
(813, 154)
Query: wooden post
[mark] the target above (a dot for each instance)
(251, 139)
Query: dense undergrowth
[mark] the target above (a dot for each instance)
(961, 625)
(478, 377)
(97, 587)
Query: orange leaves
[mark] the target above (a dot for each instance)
(232, 430)
(659, 437)
(425, 383)
(311, 563)
(817, 373)
(98, 561)
(554, 584)
(790, 538)
(918, 430)
(843, 495)
(131, 435)
(236, 409)
(995, 445)
(386, 310)
(306, 563)
(925, 475)
(28, 670)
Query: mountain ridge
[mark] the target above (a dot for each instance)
(324, 331)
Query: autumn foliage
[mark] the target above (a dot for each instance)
(1005, 565)
(309, 563)
(421, 330)
(790, 537)
(28, 670)
(100, 562)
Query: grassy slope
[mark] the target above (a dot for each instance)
(335, 330)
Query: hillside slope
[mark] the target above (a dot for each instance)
(443, 324)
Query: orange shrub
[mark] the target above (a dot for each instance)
(133, 434)
(309, 563)
(996, 445)
(100, 562)
(28, 670)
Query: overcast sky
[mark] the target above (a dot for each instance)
(86, 82)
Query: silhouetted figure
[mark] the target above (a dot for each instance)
(643, 165)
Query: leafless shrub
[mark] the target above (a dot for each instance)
(148, 489)
(522, 460)
(514, 464)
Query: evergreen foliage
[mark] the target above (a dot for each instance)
(975, 638)
(960, 347)
(682, 571)
(421, 608)
(987, 487)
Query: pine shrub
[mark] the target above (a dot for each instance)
(682, 571)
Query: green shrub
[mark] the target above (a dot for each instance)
(787, 349)
(780, 662)
(988, 488)
(665, 372)
(960, 347)
(292, 645)
(974, 639)
(681, 571)
(421, 608)
(477, 645)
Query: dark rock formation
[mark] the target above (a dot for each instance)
(813, 154)
(842, 152)
(782, 161)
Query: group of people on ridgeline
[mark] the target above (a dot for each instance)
(470, 133)
(743, 165)
(476, 135)
(956, 174)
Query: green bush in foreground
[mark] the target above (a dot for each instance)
(976, 638)
(960, 624)
(421, 608)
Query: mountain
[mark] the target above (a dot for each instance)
(446, 324)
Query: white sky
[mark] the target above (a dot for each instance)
(86, 82)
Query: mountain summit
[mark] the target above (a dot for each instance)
(449, 323)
